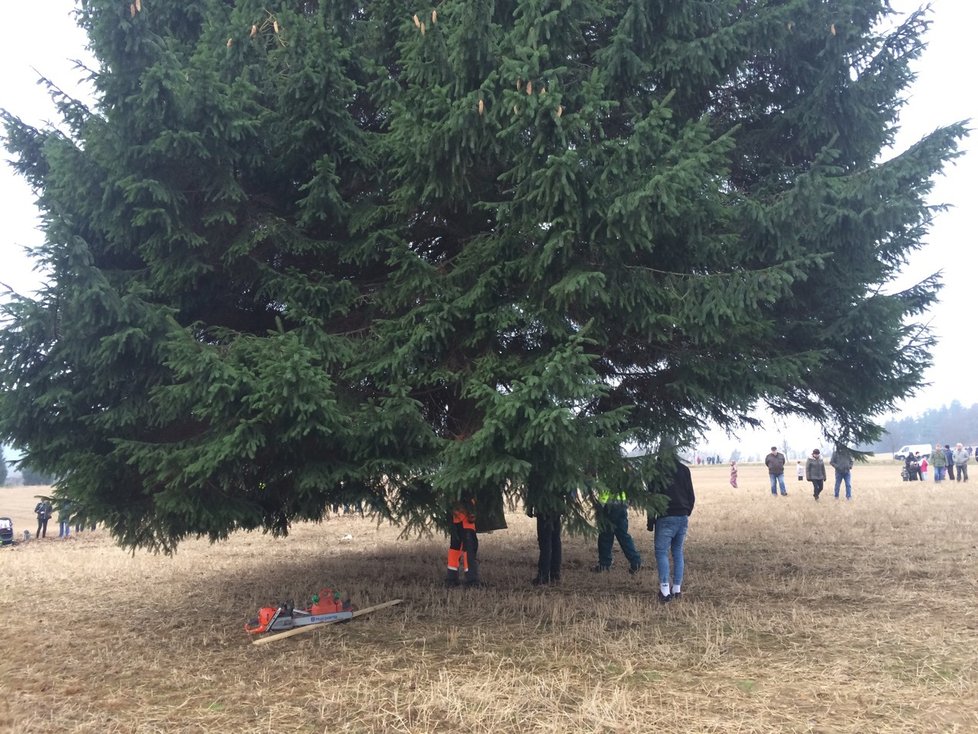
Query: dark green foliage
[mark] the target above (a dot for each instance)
(316, 252)
(3, 468)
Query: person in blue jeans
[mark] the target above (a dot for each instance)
(611, 516)
(842, 463)
(939, 462)
(949, 461)
(670, 529)
(775, 467)
(64, 519)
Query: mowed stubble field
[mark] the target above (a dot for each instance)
(798, 617)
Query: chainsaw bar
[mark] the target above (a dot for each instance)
(266, 639)
(300, 618)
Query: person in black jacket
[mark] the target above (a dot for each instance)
(670, 528)
(548, 541)
(43, 509)
(775, 468)
(549, 514)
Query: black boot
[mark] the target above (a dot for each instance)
(472, 580)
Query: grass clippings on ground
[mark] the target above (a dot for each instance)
(797, 616)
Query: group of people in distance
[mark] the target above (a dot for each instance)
(814, 471)
(44, 510)
(946, 462)
(611, 518)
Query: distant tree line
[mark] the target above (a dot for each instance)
(947, 424)
(30, 477)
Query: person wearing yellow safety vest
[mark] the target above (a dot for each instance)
(611, 517)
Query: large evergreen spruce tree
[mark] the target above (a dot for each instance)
(315, 252)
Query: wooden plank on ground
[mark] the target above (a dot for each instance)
(313, 627)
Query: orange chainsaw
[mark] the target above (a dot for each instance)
(327, 606)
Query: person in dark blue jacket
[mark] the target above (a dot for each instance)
(949, 461)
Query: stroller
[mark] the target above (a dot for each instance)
(6, 531)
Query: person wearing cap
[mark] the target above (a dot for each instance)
(775, 467)
(815, 472)
(960, 457)
(842, 463)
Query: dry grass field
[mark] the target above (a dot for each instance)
(797, 617)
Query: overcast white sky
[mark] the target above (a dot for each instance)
(43, 37)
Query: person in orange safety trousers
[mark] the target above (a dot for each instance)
(463, 547)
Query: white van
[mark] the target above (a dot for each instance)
(923, 448)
